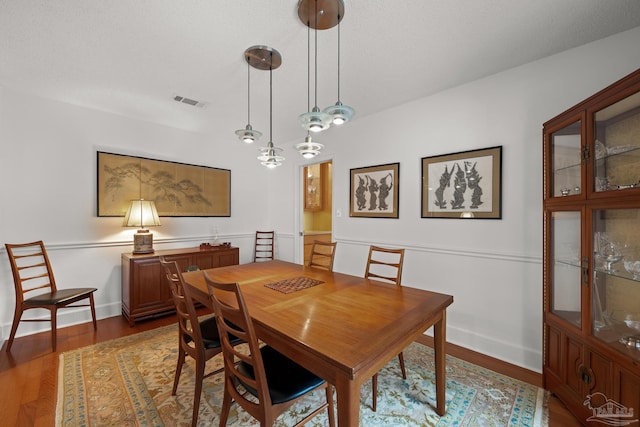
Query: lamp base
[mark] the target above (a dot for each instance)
(143, 242)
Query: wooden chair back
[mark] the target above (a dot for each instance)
(233, 319)
(385, 264)
(322, 255)
(264, 248)
(188, 325)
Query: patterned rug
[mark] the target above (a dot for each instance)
(127, 382)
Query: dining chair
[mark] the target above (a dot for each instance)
(35, 287)
(197, 339)
(264, 246)
(385, 264)
(274, 381)
(322, 255)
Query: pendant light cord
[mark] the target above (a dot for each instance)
(271, 98)
(338, 57)
(315, 81)
(309, 66)
(248, 90)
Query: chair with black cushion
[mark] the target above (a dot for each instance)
(386, 265)
(274, 381)
(322, 255)
(264, 246)
(197, 339)
(36, 287)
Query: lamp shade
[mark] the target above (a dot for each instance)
(141, 213)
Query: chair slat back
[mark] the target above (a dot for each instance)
(385, 264)
(190, 333)
(31, 268)
(233, 319)
(264, 246)
(322, 255)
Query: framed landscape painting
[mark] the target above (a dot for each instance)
(463, 185)
(374, 191)
(178, 189)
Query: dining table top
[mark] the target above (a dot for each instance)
(343, 328)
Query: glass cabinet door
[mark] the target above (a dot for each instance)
(566, 160)
(616, 279)
(616, 145)
(566, 266)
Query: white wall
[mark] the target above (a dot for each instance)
(493, 268)
(48, 188)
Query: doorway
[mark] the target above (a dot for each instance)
(317, 208)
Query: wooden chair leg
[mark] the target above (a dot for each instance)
(198, 391)
(374, 389)
(404, 371)
(54, 326)
(17, 315)
(226, 406)
(176, 378)
(332, 415)
(93, 312)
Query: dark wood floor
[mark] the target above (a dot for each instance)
(28, 375)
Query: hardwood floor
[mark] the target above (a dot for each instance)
(28, 375)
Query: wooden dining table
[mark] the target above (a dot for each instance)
(343, 328)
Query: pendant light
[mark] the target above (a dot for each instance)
(248, 134)
(314, 120)
(268, 58)
(339, 112)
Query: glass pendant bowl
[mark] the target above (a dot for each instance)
(315, 120)
(248, 135)
(340, 113)
(269, 156)
(309, 149)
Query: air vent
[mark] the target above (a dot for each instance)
(189, 101)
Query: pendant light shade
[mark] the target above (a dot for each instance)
(267, 58)
(309, 148)
(248, 134)
(270, 156)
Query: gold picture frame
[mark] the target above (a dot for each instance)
(178, 189)
(467, 184)
(374, 191)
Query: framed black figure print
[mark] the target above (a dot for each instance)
(463, 185)
(374, 191)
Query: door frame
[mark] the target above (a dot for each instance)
(298, 240)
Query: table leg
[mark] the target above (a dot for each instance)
(439, 336)
(348, 395)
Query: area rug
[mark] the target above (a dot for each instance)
(127, 382)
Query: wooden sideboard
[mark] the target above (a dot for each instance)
(144, 290)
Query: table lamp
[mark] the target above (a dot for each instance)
(142, 213)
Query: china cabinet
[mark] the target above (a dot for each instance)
(145, 292)
(592, 254)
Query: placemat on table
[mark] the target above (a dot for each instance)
(293, 284)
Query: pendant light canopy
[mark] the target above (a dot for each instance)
(267, 58)
(248, 134)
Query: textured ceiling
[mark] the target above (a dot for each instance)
(131, 57)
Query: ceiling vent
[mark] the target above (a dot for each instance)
(189, 101)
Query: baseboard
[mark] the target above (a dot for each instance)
(488, 362)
